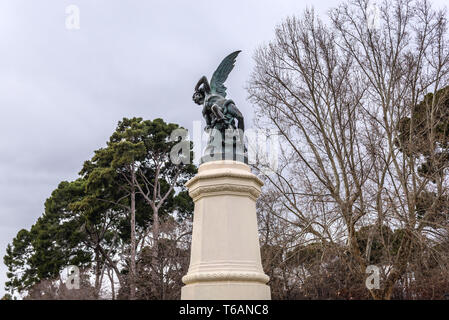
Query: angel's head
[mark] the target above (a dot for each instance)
(201, 89)
(199, 96)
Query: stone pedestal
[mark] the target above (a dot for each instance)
(225, 259)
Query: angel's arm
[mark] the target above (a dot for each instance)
(203, 81)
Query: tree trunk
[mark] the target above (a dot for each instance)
(156, 267)
(111, 278)
(132, 278)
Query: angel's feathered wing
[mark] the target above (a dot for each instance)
(221, 74)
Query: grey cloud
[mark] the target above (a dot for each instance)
(63, 91)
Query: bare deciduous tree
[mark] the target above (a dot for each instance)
(337, 92)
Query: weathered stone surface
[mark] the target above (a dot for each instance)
(225, 258)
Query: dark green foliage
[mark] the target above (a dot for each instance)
(145, 145)
(307, 254)
(433, 209)
(426, 133)
(7, 296)
(53, 242)
(425, 136)
(89, 217)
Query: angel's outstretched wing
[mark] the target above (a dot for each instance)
(221, 74)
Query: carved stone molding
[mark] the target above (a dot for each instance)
(227, 173)
(226, 276)
(208, 190)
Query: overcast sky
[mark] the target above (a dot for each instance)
(63, 91)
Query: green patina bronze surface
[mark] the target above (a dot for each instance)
(224, 121)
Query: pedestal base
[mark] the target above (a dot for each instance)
(228, 290)
(225, 260)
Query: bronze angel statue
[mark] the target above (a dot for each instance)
(221, 114)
